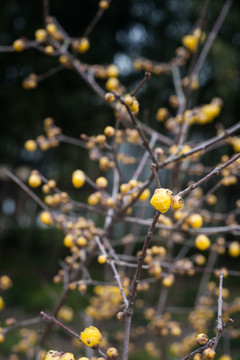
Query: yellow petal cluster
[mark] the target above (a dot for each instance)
(161, 200)
(91, 336)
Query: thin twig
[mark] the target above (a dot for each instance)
(134, 285)
(94, 21)
(116, 274)
(145, 79)
(211, 37)
(203, 146)
(207, 271)
(25, 188)
(200, 349)
(46, 11)
(216, 171)
(19, 324)
(71, 140)
(7, 48)
(50, 72)
(52, 319)
(177, 83)
(145, 158)
(191, 74)
(137, 127)
(153, 167)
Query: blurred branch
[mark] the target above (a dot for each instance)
(25, 188)
(94, 21)
(211, 37)
(46, 11)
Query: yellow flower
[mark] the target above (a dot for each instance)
(161, 200)
(34, 180)
(65, 314)
(52, 354)
(30, 145)
(91, 336)
(234, 249)
(46, 218)
(195, 220)
(190, 42)
(78, 178)
(202, 242)
(177, 202)
(67, 356)
(83, 45)
(144, 195)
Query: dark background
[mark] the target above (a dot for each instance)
(130, 28)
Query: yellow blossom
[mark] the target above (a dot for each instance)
(161, 200)
(91, 336)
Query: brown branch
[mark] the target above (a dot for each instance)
(71, 140)
(26, 189)
(7, 48)
(191, 73)
(211, 37)
(205, 145)
(137, 127)
(52, 319)
(94, 21)
(60, 303)
(200, 349)
(19, 324)
(134, 285)
(144, 158)
(50, 72)
(216, 171)
(145, 79)
(207, 271)
(46, 12)
(198, 204)
(153, 167)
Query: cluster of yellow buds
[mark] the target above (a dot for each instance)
(59, 355)
(162, 324)
(205, 113)
(104, 72)
(152, 66)
(200, 318)
(27, 340)
(163, 199)
(43, 142)
(107, 301)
